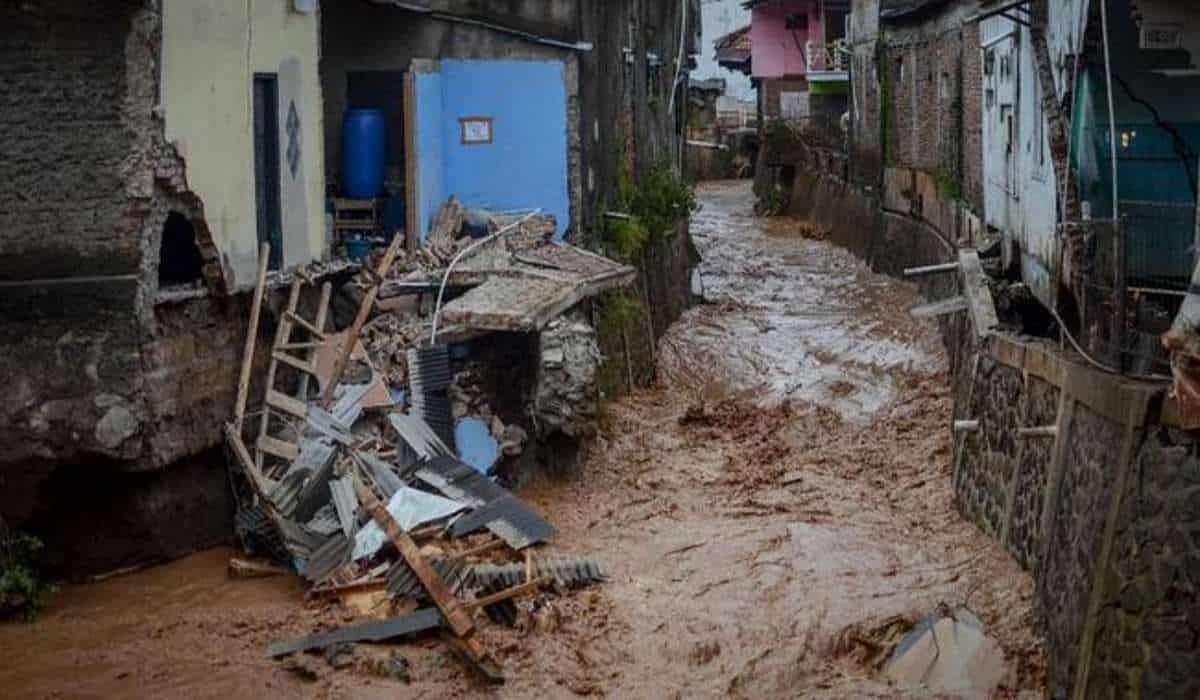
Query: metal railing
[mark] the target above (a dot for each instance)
(831, 57)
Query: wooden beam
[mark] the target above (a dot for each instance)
(279, 448)
(457, 617)
(304, 323)
(977, 292)
(360, 320)
(514, 592)
(287, 404)
(261, 485)
(293, 361)
(243, 387)
(940, 307)
(930, 269)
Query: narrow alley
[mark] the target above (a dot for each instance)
(773, 516)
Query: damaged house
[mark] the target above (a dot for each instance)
(154, 148)
(1031, 165)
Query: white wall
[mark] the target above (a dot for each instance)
(719, 18)
(211, 51)
(1020, 188)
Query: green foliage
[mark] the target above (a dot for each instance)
(655, 206)
(772, 200)
(948, 185)
(620, 308)
(21, 590)
(628, 237)
(883, 70)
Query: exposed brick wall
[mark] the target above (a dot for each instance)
(62, 75)
(98, 377)
(929, 102)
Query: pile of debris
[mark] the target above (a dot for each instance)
(369, 465)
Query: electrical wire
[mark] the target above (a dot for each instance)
(679, 58)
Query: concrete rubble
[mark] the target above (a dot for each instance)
(370, 465)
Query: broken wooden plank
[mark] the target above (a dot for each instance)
(295, 362)
(246, 568)
(977, 292)
(319, 322)
(277, 447)
(260, 483)
(939, 308)
(412, 623)
(930, 269)
(243, 388)
(458, 619)
(304, 323)
(287, 404)
(364, 311)
(526, 588)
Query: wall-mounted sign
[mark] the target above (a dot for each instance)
(476, 130)
(1161, 36)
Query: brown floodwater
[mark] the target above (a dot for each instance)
(771, 514)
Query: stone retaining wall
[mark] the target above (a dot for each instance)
(1105, 513)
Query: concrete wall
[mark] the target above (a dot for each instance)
(211, 52)
(778, 51)
(429, 139)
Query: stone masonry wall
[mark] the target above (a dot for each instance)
(1149, 611)
(1104, 515)
(102, 381)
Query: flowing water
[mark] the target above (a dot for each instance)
(772, 515)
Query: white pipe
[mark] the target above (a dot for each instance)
(437, 309)
(679, 58)
(1112, 113)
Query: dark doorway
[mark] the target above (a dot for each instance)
(266, 164)
(382, 90)
(179, 259)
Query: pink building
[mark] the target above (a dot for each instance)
(792, 38)
(797, 50)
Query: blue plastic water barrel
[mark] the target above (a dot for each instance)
(363, 144)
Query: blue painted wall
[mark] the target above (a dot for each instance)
(430, 149)
(525, 167)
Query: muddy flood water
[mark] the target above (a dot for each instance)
(773, 515)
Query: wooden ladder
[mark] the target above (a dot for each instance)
(283, 352)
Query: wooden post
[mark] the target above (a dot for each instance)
(239, 410)
(930, 269)
(319, 322)
(364, 310)
(457, 617)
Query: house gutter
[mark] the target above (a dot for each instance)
(582, 46)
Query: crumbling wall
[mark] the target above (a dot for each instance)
(102, 380)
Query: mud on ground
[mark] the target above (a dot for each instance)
(773, 516)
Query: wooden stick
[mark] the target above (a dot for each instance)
(364, 310)
(485, 547)
(930, 269)
(966, 426)
(1042, 431)
(322, 315)
(282, 334)
(243, 388)
(457, 618)
(514, 592)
